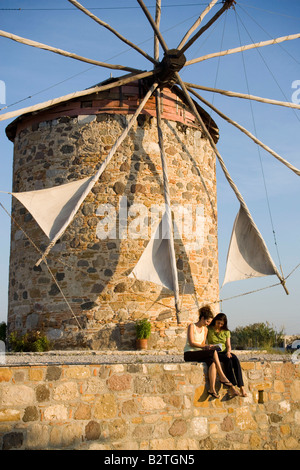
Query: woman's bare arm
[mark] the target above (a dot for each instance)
(228, 347)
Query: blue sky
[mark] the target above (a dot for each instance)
(268, 72)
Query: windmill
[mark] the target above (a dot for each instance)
(247, 260)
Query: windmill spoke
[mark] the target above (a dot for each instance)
(46, 104)
(40, 45)
(167, 204)
(227, 175)
(244, 96)
(102, 168)
(245, 131)
(212, 143)
(157, 22)
(154, 26)
(244, 48)
(227, 4)
(196, 24)
(107, 26)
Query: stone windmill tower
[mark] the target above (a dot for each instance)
(115, 213)
(108, 235)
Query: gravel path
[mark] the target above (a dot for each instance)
(120, 357)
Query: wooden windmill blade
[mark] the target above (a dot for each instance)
(154, 26)
(249, 134)
(56, 50)
(157, 22)
(246, 47)
(226, 5)
(196, 24)
(234, 94)
(102, 23)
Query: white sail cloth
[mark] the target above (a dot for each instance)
(155, 263)
(247, 255)
(53, 208)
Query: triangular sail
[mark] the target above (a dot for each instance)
(247, 255)
(155, 263)
(53, 207)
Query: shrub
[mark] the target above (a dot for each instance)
(3, 332)
(257, 335)
(33, 341)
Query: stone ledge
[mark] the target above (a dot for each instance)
(121, 357)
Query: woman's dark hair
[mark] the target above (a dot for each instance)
(222, 317)
(205, 312)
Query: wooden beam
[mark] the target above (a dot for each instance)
(157, 22)
(196, 24)
(244, 48)
(110, 28)
(245, 131)
(227, 4)
(244, 96)
(39, 45)
(154, 26)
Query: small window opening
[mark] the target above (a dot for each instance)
(260, 396)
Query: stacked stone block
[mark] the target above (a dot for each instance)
(151, 406)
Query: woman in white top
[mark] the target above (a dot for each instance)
(196, 350)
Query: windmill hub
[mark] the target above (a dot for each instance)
(172, 62)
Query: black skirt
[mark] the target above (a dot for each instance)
(203, 355)
(232, 368)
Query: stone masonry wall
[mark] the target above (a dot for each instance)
(92, 270)
(147, 406)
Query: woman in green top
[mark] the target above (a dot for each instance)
(218, 333)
